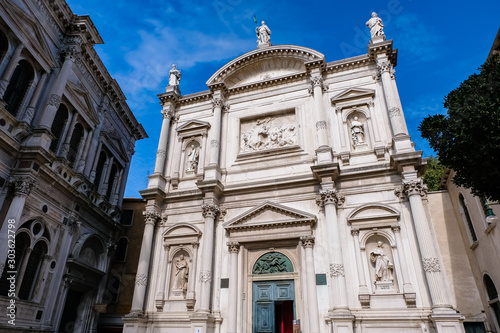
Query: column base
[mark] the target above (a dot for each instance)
(202, 322)
(342, 321)
(134, 323)
(402, 143)
(156, 180)
(452, 321)
(324, 155)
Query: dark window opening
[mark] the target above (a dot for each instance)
(18, 87)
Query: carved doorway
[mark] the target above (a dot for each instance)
(273, 306)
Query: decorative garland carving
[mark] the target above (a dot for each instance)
(215, 143)
(431, 265)
(206, 276)
(336, 270)
(161, 153)
(394, 112)
(54, 100)
(141, 279)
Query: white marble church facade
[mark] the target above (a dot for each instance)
(290, 192)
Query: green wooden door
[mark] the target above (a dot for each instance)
(265, 294)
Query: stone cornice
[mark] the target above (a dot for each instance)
(348, 64)
(383, 47)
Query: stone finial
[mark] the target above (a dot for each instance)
(376, 29)
(263, 35)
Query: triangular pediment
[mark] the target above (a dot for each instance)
(193, 125)
(353, 94)
(81, 101)
(270, 215)
(37, 39)
(373, 212)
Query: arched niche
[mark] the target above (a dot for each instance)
(373, 215)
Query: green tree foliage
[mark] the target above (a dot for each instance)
(467, 139)
(433, 173)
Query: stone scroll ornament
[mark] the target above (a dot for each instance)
(272, 262)
(268, 133)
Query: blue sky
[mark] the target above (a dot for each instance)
(440, 43)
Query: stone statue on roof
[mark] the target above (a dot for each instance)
(263, 35)
(376, 28)
(174, 76)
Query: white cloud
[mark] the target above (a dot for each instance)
(158, 48)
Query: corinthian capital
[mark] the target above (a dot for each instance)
(413, 187)
(234, 247)
(23, 185)
(307, 241)
(209, 210)
(150, 216)
(329, 197)
(167, 112)
(218, 102)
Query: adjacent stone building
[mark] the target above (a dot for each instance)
(288, 198)
(67, 138)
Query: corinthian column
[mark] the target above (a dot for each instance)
(218, 105)
(22, 188)
(167, 113)
(364, 297)
(415, 190)
(71, 50)
(141, 279)
(312, 296)
(234, 248)
(386, 72)
(329, 199)
(209, 213)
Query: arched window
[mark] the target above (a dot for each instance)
(32, 271)
(121, 249)
(111, 181)
(467, 220)
(99, 168)
(58, 125)
(18, 86)
(74, 143)
(492, 296)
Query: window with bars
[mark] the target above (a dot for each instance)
(58, 125)
(74, 144)
(18, 87)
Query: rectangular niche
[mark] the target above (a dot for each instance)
(268, 134)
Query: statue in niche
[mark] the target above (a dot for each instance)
(357, 132)
(181, 274)
(174, 77)
(193, 156)
(383, 265)
(263, 34)
(376, 26)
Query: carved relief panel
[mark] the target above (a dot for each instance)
(268, 132)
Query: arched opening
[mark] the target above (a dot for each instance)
(58, 126)
(74, 143)
(493, 300)
(22, 242)
(18, 86)
(273, 299)
(4, 45)
(32, 271)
